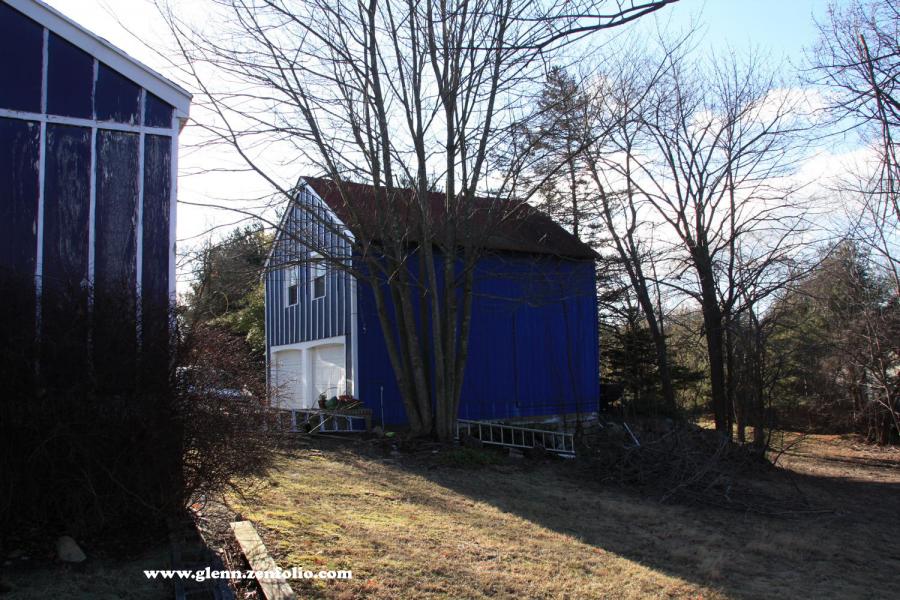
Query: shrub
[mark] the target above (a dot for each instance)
(229, 429)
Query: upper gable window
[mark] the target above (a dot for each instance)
(292, 289)
(317, 273)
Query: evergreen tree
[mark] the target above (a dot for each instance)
(559, 136)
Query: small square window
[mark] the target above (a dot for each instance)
(292, 294)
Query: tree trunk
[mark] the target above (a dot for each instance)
(718, 396)
(730, 374)
(712, 322)
(628, 253)
(399, 361)
(659, 344)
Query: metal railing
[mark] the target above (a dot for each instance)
(515, 436)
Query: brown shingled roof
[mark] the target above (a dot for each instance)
(522, 228)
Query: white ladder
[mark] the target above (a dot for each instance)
(515, 436)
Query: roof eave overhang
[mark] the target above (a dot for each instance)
(108, 54)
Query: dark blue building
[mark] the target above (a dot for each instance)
(88, 153)
(533, 348)
(88, 166)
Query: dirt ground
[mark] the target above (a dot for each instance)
(440, 527)
(99, 578)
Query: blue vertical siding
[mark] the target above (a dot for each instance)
(115, 251)
(19, 156)
(77, 307)
(87, 194)
(534, 342)
(533, 347)
(21, 60)
(309, 319)
(154, 311)
(378, 387)
(64, 298)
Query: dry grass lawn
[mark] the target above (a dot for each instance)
(409, 529)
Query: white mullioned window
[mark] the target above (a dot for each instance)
(317, 272)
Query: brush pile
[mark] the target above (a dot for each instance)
(685, 463)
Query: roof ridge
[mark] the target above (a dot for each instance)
(533, 231)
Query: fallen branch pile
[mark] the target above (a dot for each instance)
(688, 464)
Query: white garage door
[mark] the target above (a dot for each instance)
(289, 380)
(329, 370)
(295, 388)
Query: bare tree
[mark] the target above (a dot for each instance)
(418, 99)
(618, 105)
(716, 151)
(857, 63)
(689, 172)
(586, 131)
(858, 58)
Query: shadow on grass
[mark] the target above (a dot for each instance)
(841, 552)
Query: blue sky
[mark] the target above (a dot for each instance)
(781, 29)
(784, 26)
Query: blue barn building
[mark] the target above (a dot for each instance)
(533, 347)
(88, 167)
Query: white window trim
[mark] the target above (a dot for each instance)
(291, 280)
(92, 123)
(317, 268)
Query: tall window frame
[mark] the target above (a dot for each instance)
(318, 273)
(292, 288)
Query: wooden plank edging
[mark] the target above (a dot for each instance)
(258, 557)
